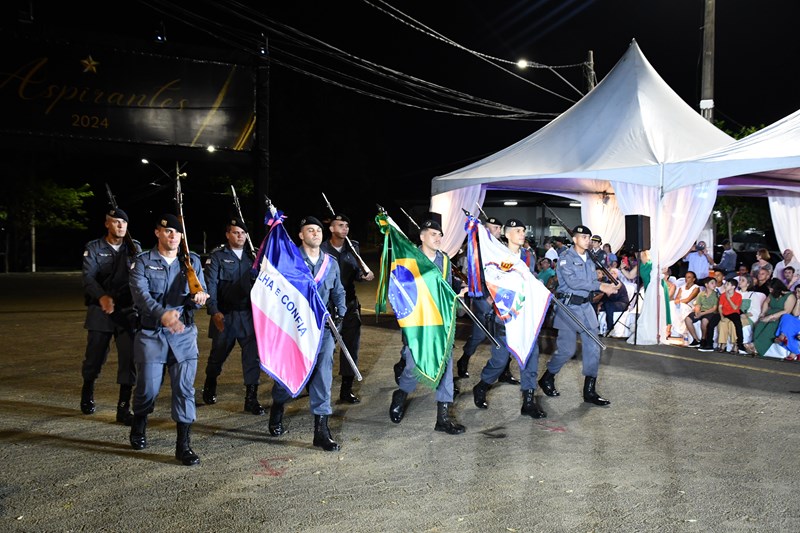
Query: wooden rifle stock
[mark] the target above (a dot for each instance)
(191, 275)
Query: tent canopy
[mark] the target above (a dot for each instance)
(622, 131)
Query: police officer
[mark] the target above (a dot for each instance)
(350, 271)
(515, 236)
(577, 279)
(229, 277)
(482, 309)
(167, 336)
(329, 286)
(110, 311)
(430, 236)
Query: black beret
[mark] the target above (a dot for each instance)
(597, 238)
(238, 222)
(309, 220)
(431, 224)
(514, 223)
(581, 230)
(493, 220)
(118, 213)
(168, 220)
(342, 218)
(725, 241)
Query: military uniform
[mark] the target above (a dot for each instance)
(350, 272)
(577, 279)
(330, 289)
(230, 280)
(159, 286)
(105, 273)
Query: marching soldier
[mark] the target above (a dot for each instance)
(109, 312)
(483, 310)
(350, 272)
(167, 336)
(430, 236)
(229, 277)
(498, 363)
(577, 279)
(325, 270)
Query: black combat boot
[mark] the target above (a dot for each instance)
(322, 435)
(398, 408)
(346, 392)
(124, 415)
(590, 394)
(138, 437)
(251, 400)
(506, 376)
(276, 428)
(87, 397)
(462, 366)
(548, 384)
(529, 405)
(183, 448)
(444, 422)
(479, 394)
(210, 390)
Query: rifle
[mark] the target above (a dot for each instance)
(241, 217)
(129, 244)
(594, 259)
(365, 269)
(479, 209)
(191, 276)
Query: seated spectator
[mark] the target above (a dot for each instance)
(790, 278)
(611, 258)
(751, 311)
(779, 302)
(743, 271)
(762, 262)
(706, 310)
(788, 260)
(545, 271)
(761, 282)
(617, 302)
(789, 329)
(683, 302)
(730, 307)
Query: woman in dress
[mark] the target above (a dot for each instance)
(684, 303)
(779, 302)
(789, 329)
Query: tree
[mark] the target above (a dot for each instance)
(28, 204)
(738, 213)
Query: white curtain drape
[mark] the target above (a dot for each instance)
(675, 222)
(450, 205)
(785, 210)
(601, 213)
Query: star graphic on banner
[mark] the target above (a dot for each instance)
(89, 64)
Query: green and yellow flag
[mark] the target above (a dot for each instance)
(422, 300)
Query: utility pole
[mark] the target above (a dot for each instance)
(591, 78)
(707, 90)
(261, 149)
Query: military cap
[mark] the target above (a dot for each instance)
(597, 238)
(169, 220)
(309, 221)
(116, 212)
(493, 220)
(238, 222)
(431, 224)
(342, 218)
(581, 230)
(514, 223)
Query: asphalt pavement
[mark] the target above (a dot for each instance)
(692, 442)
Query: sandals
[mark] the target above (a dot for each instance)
(791, 357)
(781, 339)
(722, 349)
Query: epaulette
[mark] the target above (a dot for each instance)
(143, 252)
(218, 248)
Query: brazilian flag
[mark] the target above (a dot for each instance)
(422, 300)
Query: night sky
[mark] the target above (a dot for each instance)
(361, 150)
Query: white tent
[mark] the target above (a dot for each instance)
(609, 151)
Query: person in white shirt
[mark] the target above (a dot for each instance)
(788, 260)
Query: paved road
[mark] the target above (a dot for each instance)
(692, 442)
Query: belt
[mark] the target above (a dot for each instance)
(572, 299)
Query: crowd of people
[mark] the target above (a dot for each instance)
(146, 302)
